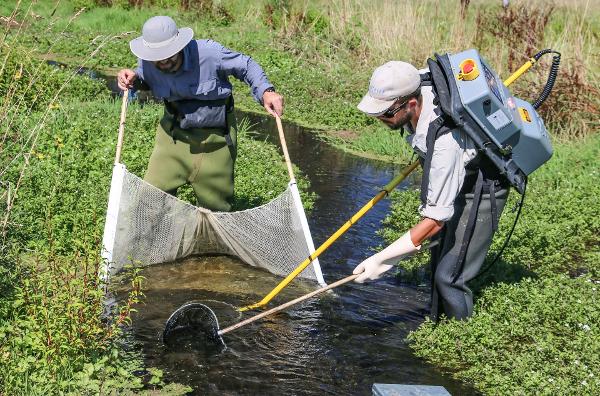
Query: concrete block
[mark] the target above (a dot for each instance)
(408, 390)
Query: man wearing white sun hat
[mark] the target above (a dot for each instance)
(462, 219)
(196, 140)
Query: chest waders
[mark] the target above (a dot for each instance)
(512, 142)
(203, 156)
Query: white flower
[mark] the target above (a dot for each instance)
(584, 327)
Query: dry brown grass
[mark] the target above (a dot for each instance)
(506, 37)
(401, 29)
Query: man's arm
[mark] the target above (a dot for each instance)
(445, 181)
(244, 68)
(407, 244)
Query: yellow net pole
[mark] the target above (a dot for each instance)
(519, 72)
(385, 191)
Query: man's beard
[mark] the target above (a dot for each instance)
(401, 122)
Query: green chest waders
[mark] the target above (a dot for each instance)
(202, 157)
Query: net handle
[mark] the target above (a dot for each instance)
(288, 304)
(121, 126)
(286, 155)
(383, 193)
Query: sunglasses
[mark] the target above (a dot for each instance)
(389, 113)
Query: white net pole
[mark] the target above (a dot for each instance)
(298, 203)
(114, 196)
(121, 126)
(307, 235)
(112, 217)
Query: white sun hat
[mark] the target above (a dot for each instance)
(160, 39)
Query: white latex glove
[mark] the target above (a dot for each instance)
(377, 264)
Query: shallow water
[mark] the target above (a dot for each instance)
(339, 343)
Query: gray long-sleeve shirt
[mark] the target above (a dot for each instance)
(451, 154)
(204, 74)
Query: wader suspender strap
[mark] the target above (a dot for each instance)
(481, 186)
(470, 226)
(493, 207)
(229, 108)
(172, 111)
(226, 134)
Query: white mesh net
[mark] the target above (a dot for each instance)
(145, 225)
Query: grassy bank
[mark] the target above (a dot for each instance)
(320, 54)
(536, 322)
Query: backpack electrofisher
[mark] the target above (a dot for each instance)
(505, 128)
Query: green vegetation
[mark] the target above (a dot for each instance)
(57, 144)
(534, 337)
(536, 323)
(536, 317)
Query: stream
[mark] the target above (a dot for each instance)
(338, 344)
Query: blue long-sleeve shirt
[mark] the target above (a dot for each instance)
(204, 74)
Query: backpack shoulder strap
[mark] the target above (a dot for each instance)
(437, 128)
(426, 80)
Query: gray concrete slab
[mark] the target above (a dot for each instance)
(408, 390)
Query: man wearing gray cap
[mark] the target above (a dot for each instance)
(196, 140)
(463, 222)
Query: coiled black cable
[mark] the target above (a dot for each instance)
(551, 78)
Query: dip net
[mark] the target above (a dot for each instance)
(145, 226)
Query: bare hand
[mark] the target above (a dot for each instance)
(273, 103)
(125, 79)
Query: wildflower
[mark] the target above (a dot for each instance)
(584, 327)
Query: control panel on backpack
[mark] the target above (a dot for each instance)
(512, 124)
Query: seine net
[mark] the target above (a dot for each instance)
(145, 226)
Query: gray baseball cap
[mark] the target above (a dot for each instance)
(160, 39)
(389, 82)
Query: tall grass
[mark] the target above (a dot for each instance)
(507, 38)
(320, 54)
(55, 335)
(403, 30)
